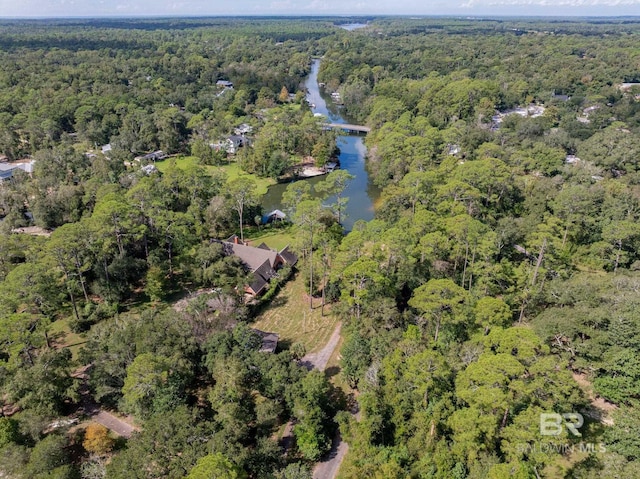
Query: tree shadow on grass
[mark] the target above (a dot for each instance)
(277, 302)
(284, 344)
(332, 371)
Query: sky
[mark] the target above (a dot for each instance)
(101, 8)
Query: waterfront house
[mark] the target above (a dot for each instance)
(262, 262)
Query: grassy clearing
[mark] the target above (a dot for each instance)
(63, 337)
(274, 238)
(232, 170)
(180, 161)
(290, 317)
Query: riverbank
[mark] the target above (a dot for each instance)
(311, 171)
(308, 168)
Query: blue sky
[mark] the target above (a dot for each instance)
(64, 8)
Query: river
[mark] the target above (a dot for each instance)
(362, 193)
(352, 26)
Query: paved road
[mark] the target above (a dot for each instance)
(328, 468)
(320, 359)
(330, 465)
(92, 409)
(108, 420)
(114, 423)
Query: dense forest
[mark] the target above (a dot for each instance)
(497, 286)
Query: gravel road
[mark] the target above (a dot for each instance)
(320, 359)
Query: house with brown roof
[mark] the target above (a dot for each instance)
(261, 261)
(269, 341)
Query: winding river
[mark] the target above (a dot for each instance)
(362, 193)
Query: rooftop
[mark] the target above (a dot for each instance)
(253, 257)
(269, 341)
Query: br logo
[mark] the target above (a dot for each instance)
(552, 424)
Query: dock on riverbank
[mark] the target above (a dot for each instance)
(308, 169)
(310, 172)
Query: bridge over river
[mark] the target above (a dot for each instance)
(347, 127)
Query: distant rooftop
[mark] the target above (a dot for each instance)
(628, 86)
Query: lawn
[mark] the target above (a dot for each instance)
(61, 334)
(232, 170)
(274, 238)
(181, 162)
(289, 316)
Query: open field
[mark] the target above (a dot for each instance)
(290, 317)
